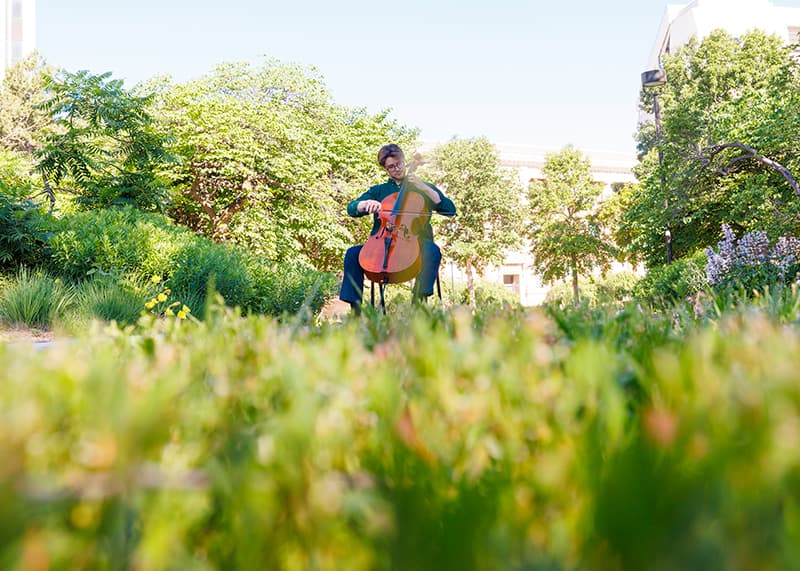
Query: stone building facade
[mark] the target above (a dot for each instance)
(18, 25)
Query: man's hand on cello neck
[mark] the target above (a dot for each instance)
(417, 184)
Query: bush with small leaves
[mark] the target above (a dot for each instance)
(674, 282)
(23, 232)
(115, 242)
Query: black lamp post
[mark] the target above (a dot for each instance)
(654, 79)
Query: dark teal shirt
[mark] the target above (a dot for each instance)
(381, 191)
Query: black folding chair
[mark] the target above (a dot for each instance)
(382, 289)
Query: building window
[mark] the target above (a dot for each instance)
(511, 281)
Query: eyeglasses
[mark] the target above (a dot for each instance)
(396, 166)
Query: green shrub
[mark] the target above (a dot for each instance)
(488, 295)
(617, 286)
(752, 262)
(35, 299)
(125, 244)
(115, 242)
(286, 289)
(202, 264)
(491, 295)
(612, 289)
(109, 300)
(561, 294)
(23, 233)
(674, 282)
(16, 181)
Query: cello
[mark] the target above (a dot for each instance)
(392, 254)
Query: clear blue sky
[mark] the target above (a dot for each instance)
(517, 71)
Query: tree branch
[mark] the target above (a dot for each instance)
(194, 192)
(748, 153)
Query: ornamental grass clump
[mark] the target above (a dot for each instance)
(35, 299)
(109, 300)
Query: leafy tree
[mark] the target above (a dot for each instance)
(104, 142)
(22, 93)
(566, 233)
(16, 178)
(731, 126)
(489, 219)
(266, 159)
(612, 214)
(21, 124)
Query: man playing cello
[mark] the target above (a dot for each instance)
(391, 158)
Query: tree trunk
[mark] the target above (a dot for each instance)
(576, 295)
(470, 284)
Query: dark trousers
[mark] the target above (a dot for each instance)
(353, 281)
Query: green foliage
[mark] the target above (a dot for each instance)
(267, 159)
(15, 175)
(292, 290)
(777, 301)
(125, 246)
(720, 91)
(109, 300)
(675, 282)
(488, 295)
(426, 440)
(35, 299)
(751, 262)
(489, 218)
(624, 231)
(612, 289)
(204, 265)
(105, 142)
(22, 121)
(23, 233)
(566, 233)
(115, 242)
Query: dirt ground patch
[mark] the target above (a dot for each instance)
(334, 310)
(12, 334)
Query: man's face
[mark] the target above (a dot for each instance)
(396, 167)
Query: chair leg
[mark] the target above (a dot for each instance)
(382, 287)
(438, 287)
(372, 293)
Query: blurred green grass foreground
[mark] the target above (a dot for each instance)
(429, 439)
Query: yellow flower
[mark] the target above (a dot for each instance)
(181, 314)
(186, 309)
(162, 297)
(57, 280)
(169, 312)
(156, 279)
(150, 304)
(84, 514)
